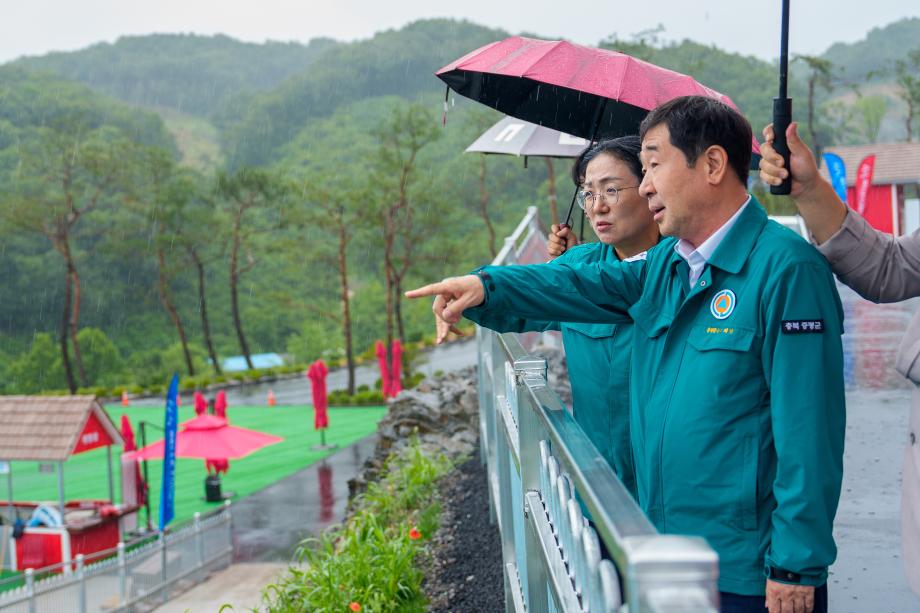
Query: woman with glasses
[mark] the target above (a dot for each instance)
(598, 355)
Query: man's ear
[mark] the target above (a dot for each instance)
(716, 160)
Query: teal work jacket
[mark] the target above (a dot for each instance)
(737, 411)
(598, 358)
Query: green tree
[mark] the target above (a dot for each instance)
(870, 110)
(161, 200)
(38, 369)
(101, 358)
(820, 76)
(907, 76)
(248, 195)
(62, 174)
(395, 176)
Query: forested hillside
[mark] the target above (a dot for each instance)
(197, 75)
(395, 62)
(169, 200)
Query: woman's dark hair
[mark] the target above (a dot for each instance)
(626, 149)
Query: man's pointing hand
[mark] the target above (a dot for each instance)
(452, 296)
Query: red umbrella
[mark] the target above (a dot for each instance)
(220, 404)
(567, 87)
(317, 374)
(127, 433)
(381, 352)
(578, 90)
(201, 404)
(396, 382)
(209, 436)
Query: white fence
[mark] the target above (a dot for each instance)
(538, 458)
(134, 576)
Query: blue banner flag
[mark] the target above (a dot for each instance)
(168, 489)
(838, 173)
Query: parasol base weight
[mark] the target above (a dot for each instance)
(212, 492)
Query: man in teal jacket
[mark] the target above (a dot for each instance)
(737, 403)
(599, 354)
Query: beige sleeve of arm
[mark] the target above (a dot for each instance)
(876, 265)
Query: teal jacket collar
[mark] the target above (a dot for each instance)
(733, 251)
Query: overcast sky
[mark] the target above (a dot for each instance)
(34, 27)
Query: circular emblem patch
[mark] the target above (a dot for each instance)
(723, 304)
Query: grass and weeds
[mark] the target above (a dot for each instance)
(372, 563)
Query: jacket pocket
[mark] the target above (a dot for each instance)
(749, 484)
(592, 330)
(729, 338)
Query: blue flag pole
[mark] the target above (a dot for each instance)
(168, 489)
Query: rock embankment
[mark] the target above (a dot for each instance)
(444, 413)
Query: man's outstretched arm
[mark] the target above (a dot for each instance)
(578, 293)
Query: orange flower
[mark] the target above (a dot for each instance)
(354, 606)
(414, 534)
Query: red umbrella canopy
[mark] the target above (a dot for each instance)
(569, 87)
(127, 433)
(209, 436)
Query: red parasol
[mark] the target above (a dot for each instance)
(220, 404)
(396, 380)
(127, 433)
(201, 404)
(317, 375)
(381, 352)
(209, 436)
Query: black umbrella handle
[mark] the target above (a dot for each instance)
(568, 216)
(782, 117)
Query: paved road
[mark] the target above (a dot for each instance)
(450, 357)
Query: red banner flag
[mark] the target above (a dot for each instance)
(863, 182)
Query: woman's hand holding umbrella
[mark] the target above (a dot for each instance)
(559, 240)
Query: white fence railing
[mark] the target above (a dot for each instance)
(132, 576)
(537, 459)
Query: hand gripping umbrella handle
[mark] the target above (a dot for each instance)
(782, 117)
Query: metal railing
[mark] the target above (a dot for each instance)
(132, 576)
(538, 458)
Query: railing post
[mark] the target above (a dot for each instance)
(199, 545)
(30, 588)
(509, 245)
(122, 575)
(229, 529)
(81, 578)
(164, 588)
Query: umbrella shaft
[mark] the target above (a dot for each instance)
(784, 51)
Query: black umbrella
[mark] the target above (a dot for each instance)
(512, 136)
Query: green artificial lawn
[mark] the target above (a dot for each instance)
(85, 474)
